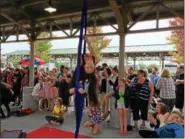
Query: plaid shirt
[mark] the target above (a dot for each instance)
(166, 87)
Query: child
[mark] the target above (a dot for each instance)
(121, 95)
(57, 114)
(39, 94)
(96, 116)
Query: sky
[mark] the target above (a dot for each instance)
(131, 39)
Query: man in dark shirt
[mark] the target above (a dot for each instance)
(180, 88)
(131, 73)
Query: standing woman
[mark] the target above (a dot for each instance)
(63, 85)
(103, 86)
(53, 91)
(17, 80)
(9, 77)
(36, 76)
(142, 91)
(109, 89)
(114, 79)
(166, 86)
(25, 81)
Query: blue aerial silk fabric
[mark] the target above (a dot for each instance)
(79, 98)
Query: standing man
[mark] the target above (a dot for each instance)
(131, 73)
(180, 88)
(61, 71)
(154, 77)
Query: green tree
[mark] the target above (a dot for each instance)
(97, 43)
(177, 38)
(151, 66)
(16, 61)
(142, 66)
(42, 47)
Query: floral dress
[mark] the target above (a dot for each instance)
(53, 91)
(96, 115)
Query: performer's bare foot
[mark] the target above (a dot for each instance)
(54, 123)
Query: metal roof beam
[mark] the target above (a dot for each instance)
(118, 15)
(155, 30)
(172, 11)
(13, 21)
(107, 22)
(59, 27)
(13, 29)
(34, 3)
(150, 9)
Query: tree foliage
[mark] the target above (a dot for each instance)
(142, 66)
(97, 43)
(42, 47)
(15, 61)
(177, 38)
(151, 66)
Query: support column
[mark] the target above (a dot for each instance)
(122, 21)
(134, 63)
(7, 60)
(122, 57)
(28, 100)
(32, 62)
(71, 62)
(162, 60)
(114, 122)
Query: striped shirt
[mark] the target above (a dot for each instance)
(166, 87)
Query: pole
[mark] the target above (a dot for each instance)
(71, 62)
(32, 62)
(122, 55)
(162, 60)
(134, 63)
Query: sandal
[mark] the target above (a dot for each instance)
(135, 128)
(125, 132)
(143, 126)
(106, 116)
(121, 131)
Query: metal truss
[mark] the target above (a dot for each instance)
(130, 56)
(70, 23)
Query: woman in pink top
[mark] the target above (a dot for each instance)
(9, 77)
(25, 81)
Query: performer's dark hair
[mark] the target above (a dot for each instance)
(92, 85)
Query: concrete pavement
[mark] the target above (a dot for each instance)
(36, 120)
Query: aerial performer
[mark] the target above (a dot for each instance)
(84, 80)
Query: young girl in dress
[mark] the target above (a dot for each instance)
(39, 94)
(57, 114)
(52, 92)
(96, 116)
(121, 94)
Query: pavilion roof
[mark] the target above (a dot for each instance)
(109, 50)
(22, 12)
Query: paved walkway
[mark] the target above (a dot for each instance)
(36, 120)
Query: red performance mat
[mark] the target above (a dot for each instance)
(48, 132)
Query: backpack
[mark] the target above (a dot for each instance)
(172, 130)
(12, 134)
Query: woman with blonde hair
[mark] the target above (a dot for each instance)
(167, 89)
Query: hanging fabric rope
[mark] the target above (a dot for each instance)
(79, 98)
